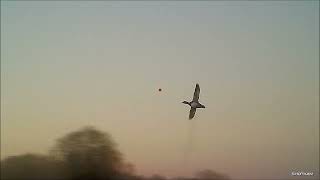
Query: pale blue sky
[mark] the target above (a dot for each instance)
(65, 65)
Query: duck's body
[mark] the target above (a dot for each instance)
(194, 104)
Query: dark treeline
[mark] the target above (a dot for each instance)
(87, 154)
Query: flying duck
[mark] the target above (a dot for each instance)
(194, 104)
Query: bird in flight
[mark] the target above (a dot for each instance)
(194, 104)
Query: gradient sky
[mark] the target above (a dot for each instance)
(66, 65)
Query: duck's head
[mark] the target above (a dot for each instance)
(186, 102)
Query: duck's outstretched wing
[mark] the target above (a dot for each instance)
(196, 93)
(192, 113)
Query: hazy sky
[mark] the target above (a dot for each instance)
(66, 65)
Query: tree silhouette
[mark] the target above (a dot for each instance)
(158, 177)
(127, 169)
(89, 154)
(30, 166)
(208, 174)
(82, 155)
